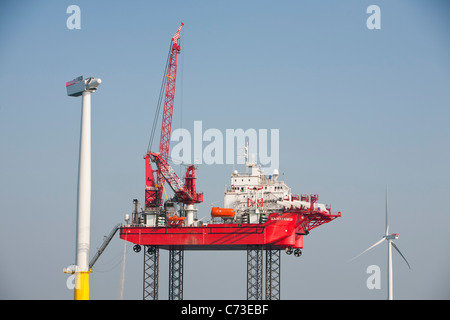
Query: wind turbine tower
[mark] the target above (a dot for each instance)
(75, 88)
(390, 243)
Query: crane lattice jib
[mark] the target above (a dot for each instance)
(166, 129)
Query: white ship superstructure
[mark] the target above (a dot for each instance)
(253, 195)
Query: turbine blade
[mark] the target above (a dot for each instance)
(398, 250)
(387, 218)
(371, 247)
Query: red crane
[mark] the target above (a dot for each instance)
(154, 187)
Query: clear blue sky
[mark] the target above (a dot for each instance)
(357, 110)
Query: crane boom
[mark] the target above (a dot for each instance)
(169, 99)
(154, 187)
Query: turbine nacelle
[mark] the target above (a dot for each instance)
(77, 86)
(393, 236)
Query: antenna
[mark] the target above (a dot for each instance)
(245, 155)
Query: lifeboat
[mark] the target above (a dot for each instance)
(217, 212)
(175, 218)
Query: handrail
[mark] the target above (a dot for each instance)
(104, 245)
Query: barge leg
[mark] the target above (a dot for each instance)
(176, 266)
(151, 272)
(273, 272)
(254, 273)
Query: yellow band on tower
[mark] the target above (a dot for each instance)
(81, 285)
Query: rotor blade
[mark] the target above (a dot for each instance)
(387, 218)
(398, 250)
(371, 247)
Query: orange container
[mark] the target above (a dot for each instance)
(217, 212)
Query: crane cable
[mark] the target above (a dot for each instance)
(161, 94)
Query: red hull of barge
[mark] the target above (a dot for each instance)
(281, 230)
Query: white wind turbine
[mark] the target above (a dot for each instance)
(389, 238)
